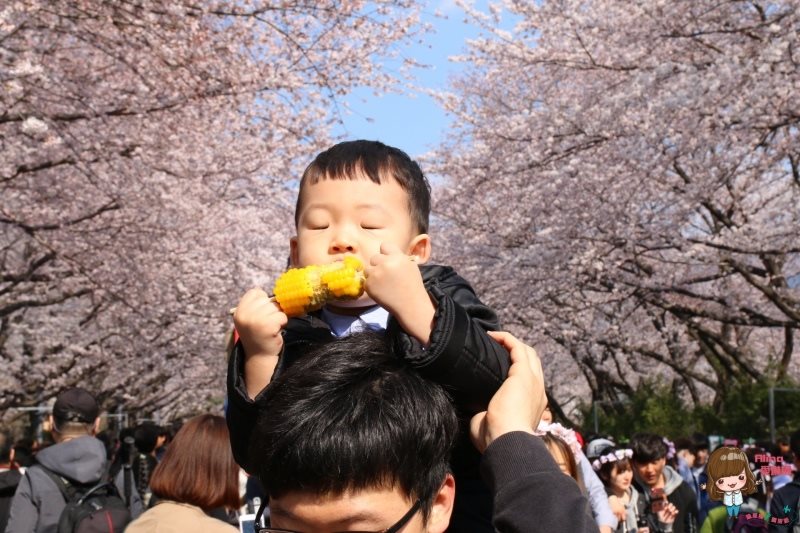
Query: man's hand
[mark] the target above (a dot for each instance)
(395, 283)
(519, 402)
(259, 322)
(668, 514)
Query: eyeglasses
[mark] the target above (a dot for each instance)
(392, 529)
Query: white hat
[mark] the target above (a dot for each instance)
(596, 446)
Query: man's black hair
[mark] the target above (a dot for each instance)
(794, 444)
(648, 447)
(700, 442)
(684, 443)
(352, 415)
(6, 445)
(146, 436)
(348, 160)
(23, 452)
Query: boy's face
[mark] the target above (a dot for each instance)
(354, 217)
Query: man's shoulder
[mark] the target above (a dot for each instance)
(789, 493)
(684, 489)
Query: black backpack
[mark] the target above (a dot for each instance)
(796, 528)
(90, 508)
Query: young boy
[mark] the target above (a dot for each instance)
(370, 200)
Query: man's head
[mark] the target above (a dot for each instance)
(684, 448)
(145, 437)
(6, 449)
(700, 443)
(649, 457)
(794, 446)
(355, 196)
(352, 439)
(75, 414)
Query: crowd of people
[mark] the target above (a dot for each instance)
(402, 409)
(334, 439)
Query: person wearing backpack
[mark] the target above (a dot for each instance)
(9, 477)
(784, 507)
(70, 476)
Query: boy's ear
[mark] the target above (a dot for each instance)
(420, 247)
(293, 253)
(442, 508)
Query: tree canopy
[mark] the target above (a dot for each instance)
(148, 154)
(628, 177)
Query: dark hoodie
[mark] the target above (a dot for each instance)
(38, 502)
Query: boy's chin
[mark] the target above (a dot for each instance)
(351, 306)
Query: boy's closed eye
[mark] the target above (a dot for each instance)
(373, 223)
(317, 221)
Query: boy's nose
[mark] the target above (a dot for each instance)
(342, 245)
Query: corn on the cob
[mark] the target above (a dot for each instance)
(300, 290)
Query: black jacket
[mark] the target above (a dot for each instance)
(680, 494)
(461, 357)
(782, 519)
(9, 479)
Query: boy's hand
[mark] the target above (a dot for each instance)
(519, 402)
(259, 322)
(394, 281)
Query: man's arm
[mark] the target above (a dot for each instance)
(24, 515)
(531, 494)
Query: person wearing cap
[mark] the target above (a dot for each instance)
(76, 456)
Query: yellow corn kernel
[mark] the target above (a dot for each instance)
(346, 281)
(301, 290)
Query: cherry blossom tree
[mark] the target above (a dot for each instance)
(148, 153)
(626, 179)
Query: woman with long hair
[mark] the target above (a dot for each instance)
(197, 475)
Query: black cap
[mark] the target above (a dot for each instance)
(76, 405)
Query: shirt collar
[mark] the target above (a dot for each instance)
(373, 319)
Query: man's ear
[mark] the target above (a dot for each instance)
(420, 247)
(47, 424)
(96, 426)
(293, 252)
(442, 507)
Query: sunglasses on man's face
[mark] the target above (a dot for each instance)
(397, 526)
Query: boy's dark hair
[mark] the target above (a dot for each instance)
(648, 447)
(352, 415)
(346, 160)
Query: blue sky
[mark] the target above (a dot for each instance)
(414, 123)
